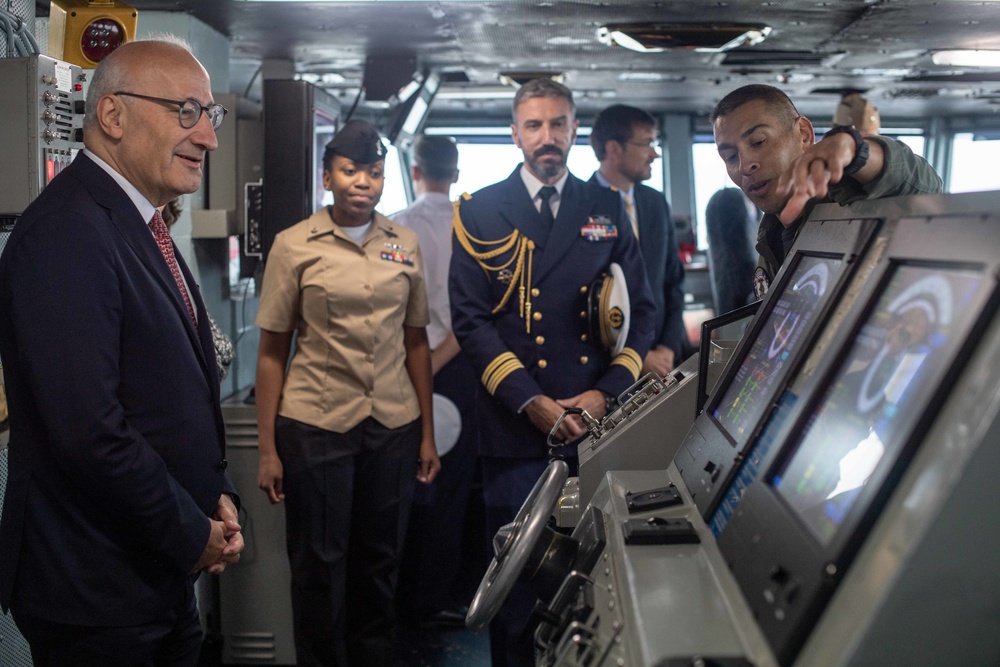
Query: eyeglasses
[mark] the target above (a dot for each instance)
(188, 111)
(651, 145)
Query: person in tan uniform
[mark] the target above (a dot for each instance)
(346, 432)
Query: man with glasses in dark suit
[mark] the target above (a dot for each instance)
(118, 496)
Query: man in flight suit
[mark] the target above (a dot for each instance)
(526, 251)
(771, 153)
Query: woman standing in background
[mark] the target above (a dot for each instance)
(341, 436)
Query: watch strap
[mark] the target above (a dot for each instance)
(860, 147)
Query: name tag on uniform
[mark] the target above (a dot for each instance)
(396, 256)
(599, 228)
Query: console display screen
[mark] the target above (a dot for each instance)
(921, 317)
(740, 407)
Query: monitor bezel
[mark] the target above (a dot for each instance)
(766, 536)
(709, 442)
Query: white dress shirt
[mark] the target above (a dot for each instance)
(430, 217)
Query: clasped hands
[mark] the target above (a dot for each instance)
(225, 541)
(544, 412)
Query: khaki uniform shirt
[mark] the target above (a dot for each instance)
(349, 304)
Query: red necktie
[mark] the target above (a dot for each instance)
(162, 236)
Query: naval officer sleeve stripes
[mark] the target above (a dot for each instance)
(498, 370)
(631, 360)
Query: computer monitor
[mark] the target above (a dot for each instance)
(792, 313)
(740, 406)
(916, 324)
(840, 448)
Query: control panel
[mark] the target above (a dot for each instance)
(41, 127)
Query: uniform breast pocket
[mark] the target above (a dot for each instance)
(595, 248)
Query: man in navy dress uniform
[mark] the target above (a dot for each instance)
(527, 249)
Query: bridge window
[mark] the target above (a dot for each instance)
(485, 157)
(973, 162)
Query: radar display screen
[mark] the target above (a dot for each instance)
(740, 407)
(922, 315)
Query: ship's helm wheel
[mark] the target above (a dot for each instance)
(513, 545)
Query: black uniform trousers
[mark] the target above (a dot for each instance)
(347, 502)
(433, 558)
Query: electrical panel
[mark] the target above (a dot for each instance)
(41, 127)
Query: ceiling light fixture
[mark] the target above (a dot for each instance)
(966, 58)
(518, 79)
(485, 93)
(700, 37)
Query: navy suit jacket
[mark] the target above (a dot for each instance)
(116, 443)
(664, 270)
(556, 357)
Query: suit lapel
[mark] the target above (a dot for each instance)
(575, 203)
(647, 223)
(135, 231)
(205, 345)
(519, 211)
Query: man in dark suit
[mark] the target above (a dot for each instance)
(117, 496)
(527, 250)
(625, 142)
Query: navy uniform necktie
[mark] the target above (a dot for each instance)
(546, 210)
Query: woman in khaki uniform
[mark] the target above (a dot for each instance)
(341, 436)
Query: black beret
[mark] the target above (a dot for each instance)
(359, 141)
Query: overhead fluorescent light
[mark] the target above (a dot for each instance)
(651, 77)
(701, 37)
(621, 38)
(476, 94)
(518, 79)
(966, 58)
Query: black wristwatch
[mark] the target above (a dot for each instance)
(610, 402)
(860, 147)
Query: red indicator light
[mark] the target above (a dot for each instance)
(50, 170)
(77, 87)
(100, 38)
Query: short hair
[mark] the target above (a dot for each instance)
(437, 156)
(776, 101)
(112, 73)
(616, 123)
(541, 87)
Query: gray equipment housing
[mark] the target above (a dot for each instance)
(921, 590)
(41, 130)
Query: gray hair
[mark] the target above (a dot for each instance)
(541, 87)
